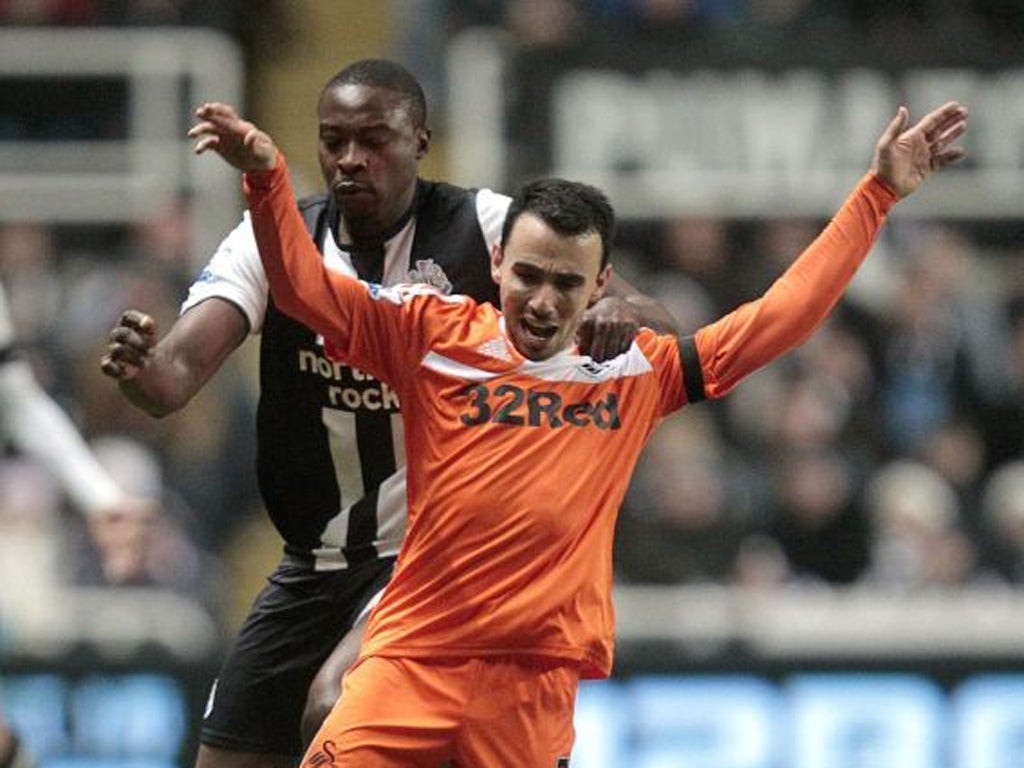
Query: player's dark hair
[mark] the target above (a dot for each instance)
(383, 73)
(568, 207)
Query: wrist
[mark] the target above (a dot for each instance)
(881, 189)
(263, 178)
(885, 185)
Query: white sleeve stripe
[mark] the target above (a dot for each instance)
(565, 367)
(456, 370)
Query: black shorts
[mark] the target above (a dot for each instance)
(296, 622)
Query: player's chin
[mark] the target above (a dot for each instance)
(538, 347)
(359, 205)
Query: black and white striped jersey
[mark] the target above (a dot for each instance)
(331, 454)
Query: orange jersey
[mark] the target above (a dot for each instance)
(517, 468)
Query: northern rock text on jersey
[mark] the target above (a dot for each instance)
(349, 389)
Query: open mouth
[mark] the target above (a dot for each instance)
(538, 331)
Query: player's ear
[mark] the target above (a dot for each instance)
(423, 137)
(497, 255)
(601, 287)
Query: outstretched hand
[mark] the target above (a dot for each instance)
(238, 141)
(904, 157)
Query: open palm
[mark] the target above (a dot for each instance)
(904, 157)
(238, 141)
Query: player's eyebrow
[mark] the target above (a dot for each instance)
(567, 279)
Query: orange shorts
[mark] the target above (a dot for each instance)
(483, 712)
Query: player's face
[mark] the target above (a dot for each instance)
(369, 153)
(547, 282)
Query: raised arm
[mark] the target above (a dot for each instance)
(43, 431)
(332, 304)
(797, 303)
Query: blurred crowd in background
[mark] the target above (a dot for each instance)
(555, 22)
(885, 453)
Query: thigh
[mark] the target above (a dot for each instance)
(393, 713)
(326, 686)
(521, 714)
(297, 620)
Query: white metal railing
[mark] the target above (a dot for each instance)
(825, 623)
(166, 72)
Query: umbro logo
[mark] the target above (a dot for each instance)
(594, 369)
(496, 348)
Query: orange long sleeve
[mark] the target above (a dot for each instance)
(290, 256)
(798, 302)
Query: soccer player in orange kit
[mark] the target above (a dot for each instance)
(519, 449)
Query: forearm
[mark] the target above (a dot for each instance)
(652, 314)
(40, 429)
(161, 388)
(799, 301)
(300, 284)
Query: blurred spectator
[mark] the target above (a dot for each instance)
(816, 516)
(912, 366)
(1003, 508)
(647, 15)
(29, 534)
(956, 451)
(544, 23)
(159, 554)
(761, 565)
(821, 395)
(259, 26)
(942, 349)
(685, 514)
(917, 539)
(49, 12)
(686, 300)
(32, 423)
(700, 250)
(35, 548)
(28, 271)
(924, 367)
(813, 411)
(1002, 421)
